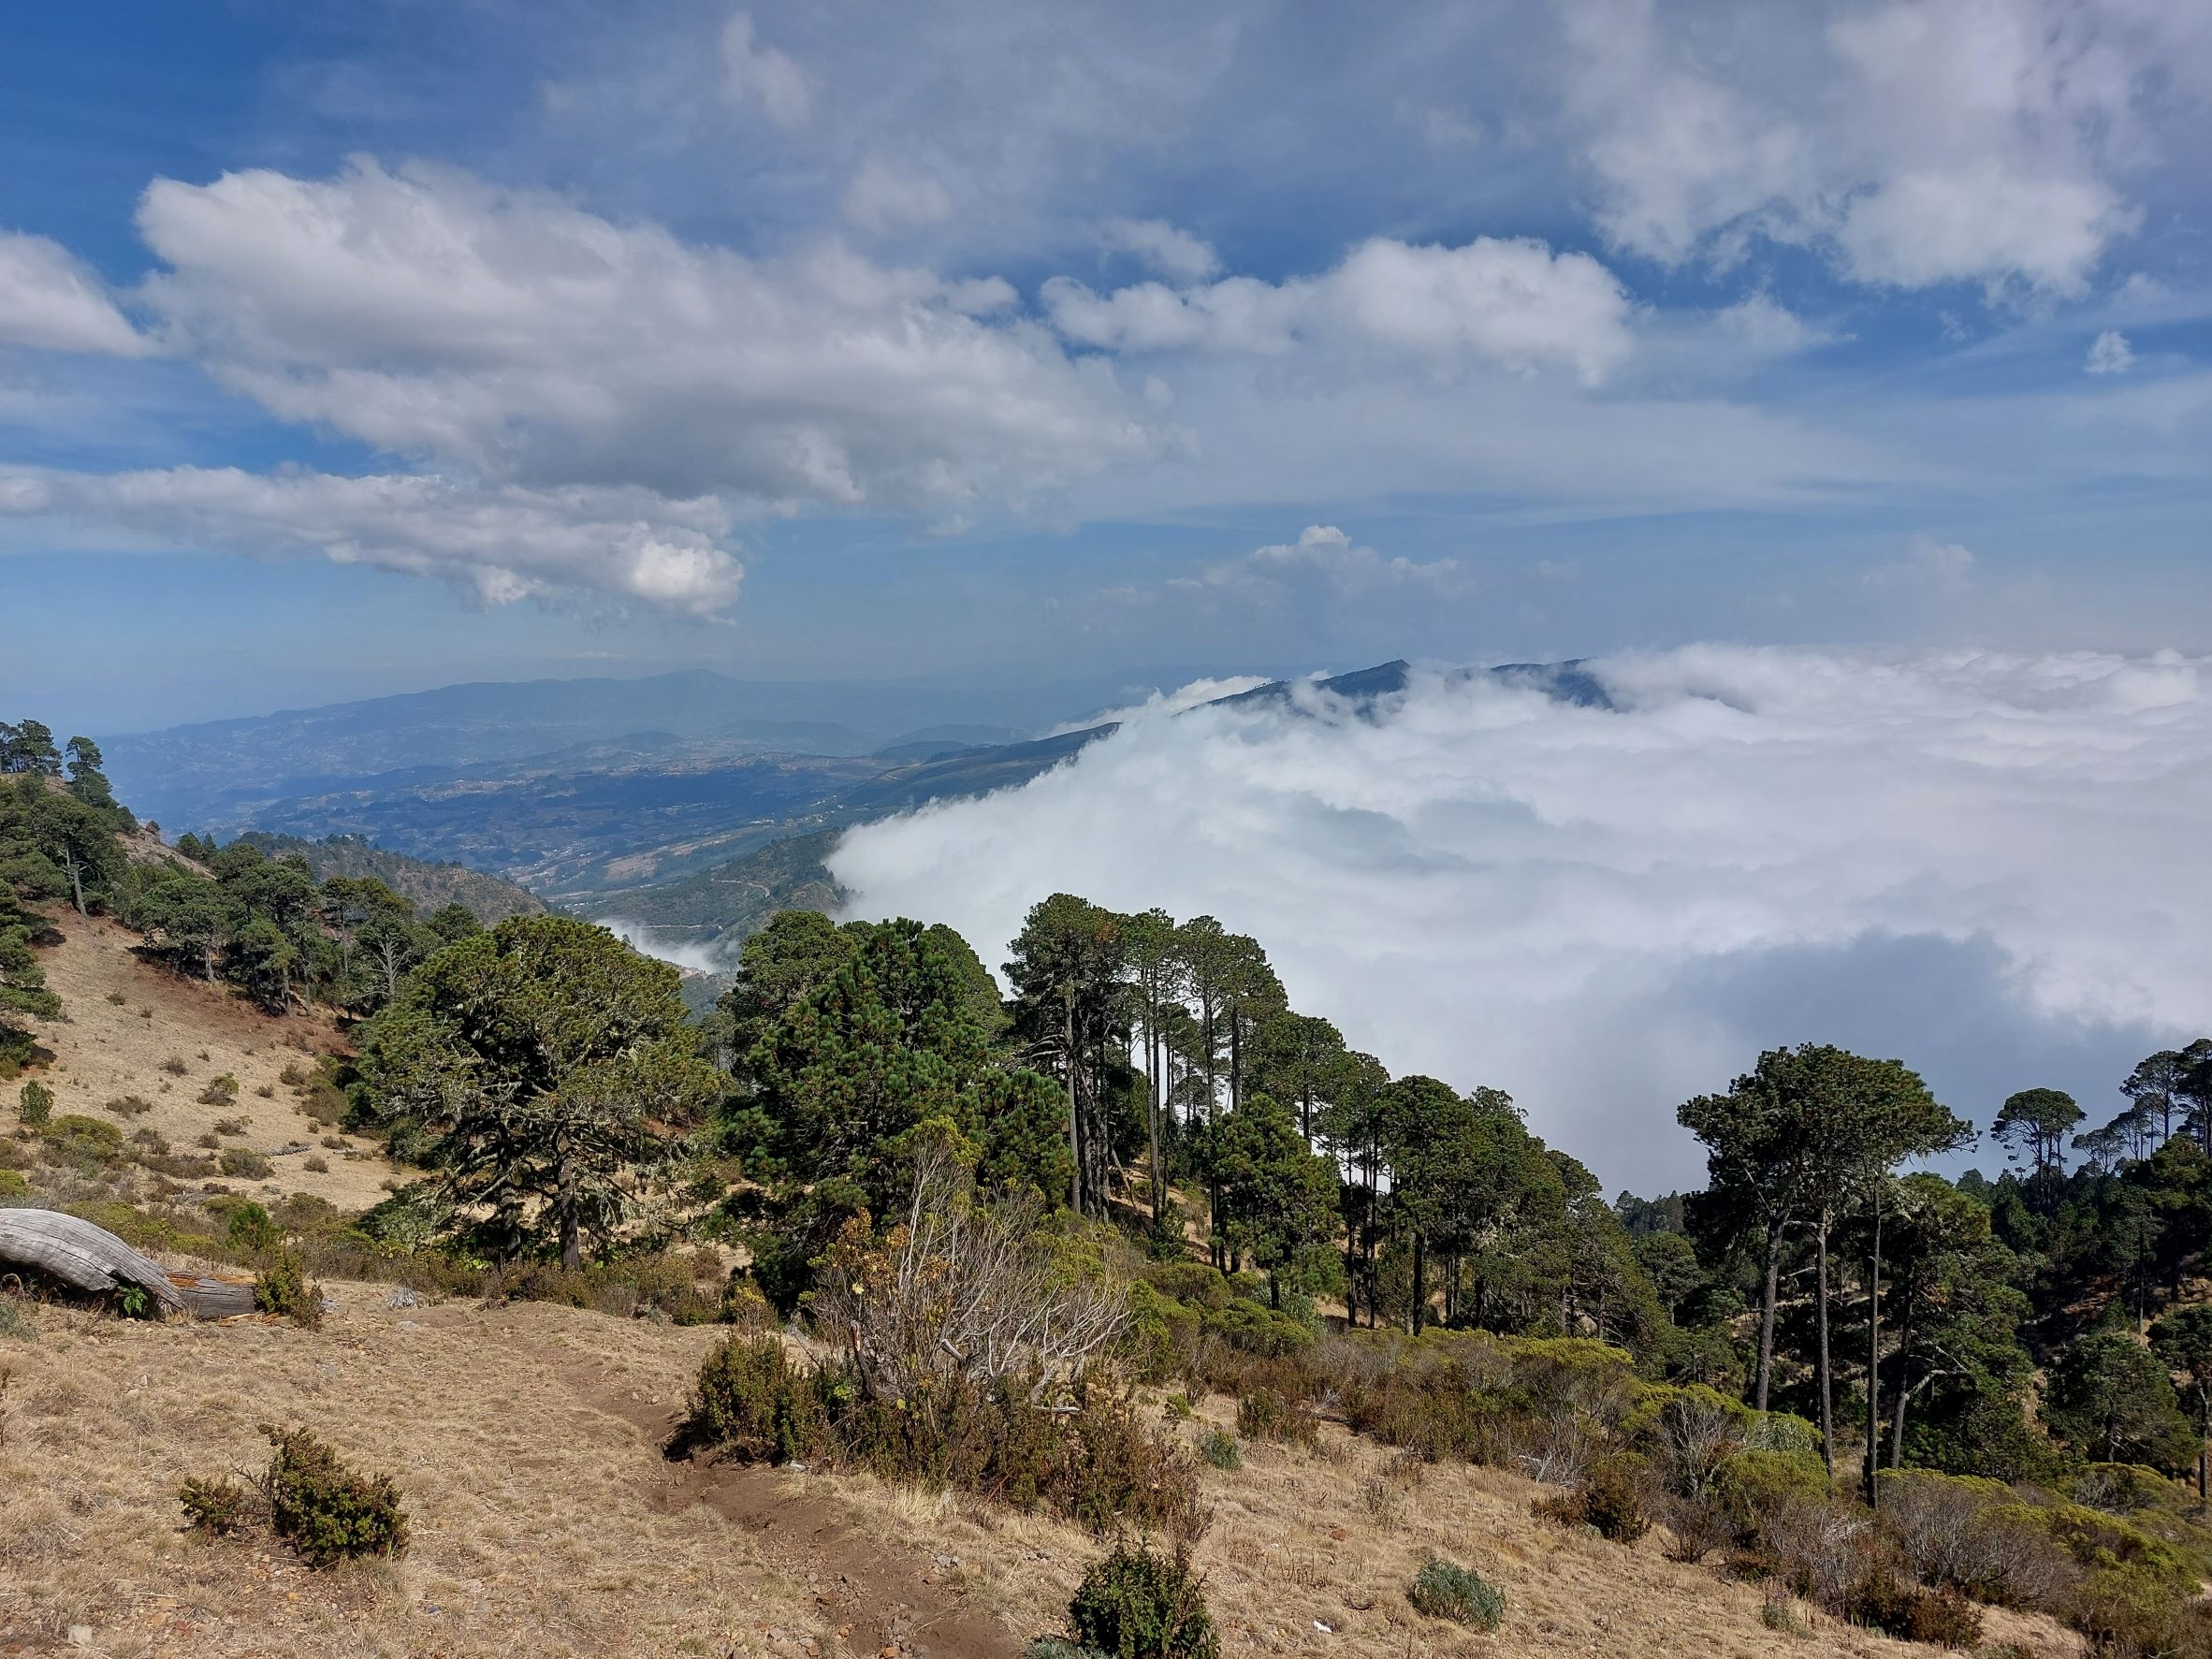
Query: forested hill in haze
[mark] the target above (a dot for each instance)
(425, 884)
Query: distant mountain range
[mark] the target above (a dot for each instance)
(222, 776)
(697, 826)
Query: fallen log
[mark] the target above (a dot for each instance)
(82, 1256)
(215, 1296)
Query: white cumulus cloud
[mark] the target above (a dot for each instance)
(1324, 555)
(1509, 302)
(883, 197)
(1975, 861)
(1168, 249)
(1929, 566)
(1990, 141)
(513, 337)
(50, 299)
(498, 544)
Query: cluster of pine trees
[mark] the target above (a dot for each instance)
(59, 825)
(228, 915)
(265, 924)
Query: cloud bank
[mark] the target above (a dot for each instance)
(646, 941)
(1981, 864)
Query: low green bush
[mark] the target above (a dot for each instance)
(744, 1306)
(285, 1289)
(1097, 1462)
(324, 1511)
(1264, 1414)
(752, 1400)
(242, 1164)
(35, 1105)
(84, 1145)
(1192, 1283)
(250, 1231)
(1161, 1340)
(1443, 1590)
(1220, 1450)
(1752, 1486)
(12, 1184)
(1135, 1604)
(1255, 1328)
(214, 1508)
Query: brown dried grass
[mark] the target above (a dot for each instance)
(541, 1520)
(104, 1051)
(1298, 1542)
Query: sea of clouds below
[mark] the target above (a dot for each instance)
(1988, 864)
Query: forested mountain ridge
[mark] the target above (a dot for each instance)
(427, 884)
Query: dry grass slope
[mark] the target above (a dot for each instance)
(527, 1441)
(124, 1022)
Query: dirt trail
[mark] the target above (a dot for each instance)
(882, 1599)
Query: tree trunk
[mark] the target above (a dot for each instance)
(1874, 1352)
(1827, 1381)
(1236, 1057)
(1420, 1283)
(571, 1243)
(1897, 1427)
(76, 880)
(1074, 1125)
(1157, 1098)
(1374, 1222)
(1767, 1302)
(2204, 1421)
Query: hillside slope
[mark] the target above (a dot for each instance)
(427, 884)
(527, 1441)
(133, 1033)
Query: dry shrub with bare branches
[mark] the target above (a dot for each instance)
(961, 1291)
(1556, 1448)
(1966, 1533)
(1696, 1527)
(1697, 1433)
(969, 1336)
(1824, 1548)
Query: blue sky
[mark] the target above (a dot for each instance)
(350, 349)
